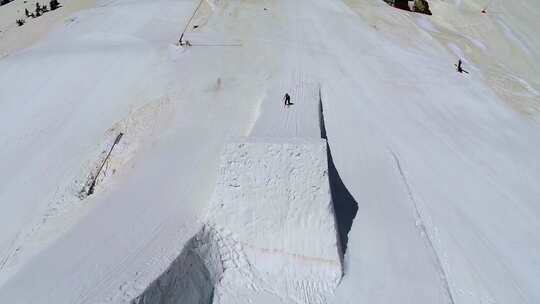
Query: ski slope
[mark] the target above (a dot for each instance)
(300, 120)
(443, 166)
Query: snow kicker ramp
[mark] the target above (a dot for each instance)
(270, 234)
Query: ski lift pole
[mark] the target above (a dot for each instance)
(93, 184)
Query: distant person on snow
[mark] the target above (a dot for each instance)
(459, 68)
(287, 99)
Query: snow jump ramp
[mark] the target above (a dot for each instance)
(273, 198)
(270, 233)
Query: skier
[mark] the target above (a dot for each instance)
(459, 68)
(287, 99)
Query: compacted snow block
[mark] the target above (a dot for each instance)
(273, 201)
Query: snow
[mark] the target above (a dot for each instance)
(301, 120)
(16, 38)
(443, 166)
(191, 277)
(270, 205)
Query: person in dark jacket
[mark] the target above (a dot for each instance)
(287, 99)
(460, 68)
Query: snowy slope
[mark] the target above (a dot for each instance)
(443, 165)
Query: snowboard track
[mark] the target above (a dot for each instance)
(422, 227)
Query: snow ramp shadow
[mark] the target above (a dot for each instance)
(191, 277)
(345, 206)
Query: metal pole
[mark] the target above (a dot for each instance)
(189, 21)
(93, 184)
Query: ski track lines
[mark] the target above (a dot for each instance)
(422, 227)
(107, 278)
(298, 120)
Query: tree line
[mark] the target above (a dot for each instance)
(39, 10)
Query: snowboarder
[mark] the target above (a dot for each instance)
(27, 13)
(287, 99)
(459, 68)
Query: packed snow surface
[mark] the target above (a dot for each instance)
(443, 166)
(279, 215)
